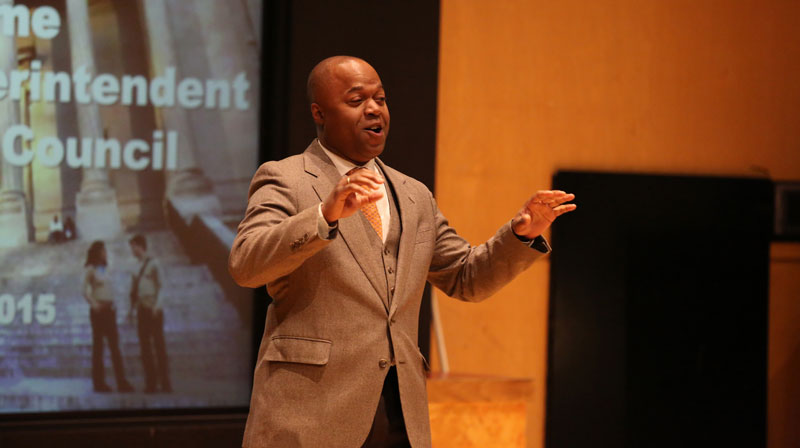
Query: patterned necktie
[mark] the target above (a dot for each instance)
(370, 211)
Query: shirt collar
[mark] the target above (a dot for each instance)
(343, 165)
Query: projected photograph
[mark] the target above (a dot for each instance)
(129, 136)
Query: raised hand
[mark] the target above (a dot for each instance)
(353, 190)
(540, 211)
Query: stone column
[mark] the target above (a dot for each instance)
(97, 213)
(187, 188)
(216, 40)
(13, 209)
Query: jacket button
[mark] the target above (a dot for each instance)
(386, 251)
(391, 271)
(383, 363)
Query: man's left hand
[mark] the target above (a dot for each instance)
(540, 211)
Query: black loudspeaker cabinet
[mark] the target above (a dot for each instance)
(658, 312)
(787, 211)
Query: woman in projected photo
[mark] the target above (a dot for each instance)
(98, 292)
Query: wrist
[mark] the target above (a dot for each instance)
(530, 234)
(524, 237)
(326, 215)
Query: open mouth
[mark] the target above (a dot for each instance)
(374, 130)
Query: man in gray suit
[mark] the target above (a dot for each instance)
(345, 245)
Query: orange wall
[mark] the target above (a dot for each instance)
(530, 87)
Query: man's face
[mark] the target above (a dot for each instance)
(351, 111)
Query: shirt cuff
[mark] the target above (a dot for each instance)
(539, 243)
(324, 230)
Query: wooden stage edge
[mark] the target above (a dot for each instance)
(478, 411)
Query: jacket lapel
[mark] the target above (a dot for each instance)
(406, 208)
(352, 230)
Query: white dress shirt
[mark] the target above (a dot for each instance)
(343, 166)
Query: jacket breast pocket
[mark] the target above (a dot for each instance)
(298, 349)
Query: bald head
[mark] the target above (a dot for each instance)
(348, 105)
(324, 72)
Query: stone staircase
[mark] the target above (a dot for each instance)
(48, 366)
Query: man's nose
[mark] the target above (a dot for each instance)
(372, 107)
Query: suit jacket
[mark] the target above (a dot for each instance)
(330, 333)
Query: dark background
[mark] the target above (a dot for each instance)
(663, 340)
(401, 40)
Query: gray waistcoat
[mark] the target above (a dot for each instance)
(387, 251)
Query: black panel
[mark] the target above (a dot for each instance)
(218, 431)
(787, 211)
(399, 39)
(658, 312)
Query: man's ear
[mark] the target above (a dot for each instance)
(316, 113)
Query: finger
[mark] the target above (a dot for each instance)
(561, 209)
(366, 174)
(358, 198)
(556, 198)
(365, 182)
(563, 198)
(359, 175)
(372, 196)
(537, 205)
(363, 177)
(352, 188)
(541, 197)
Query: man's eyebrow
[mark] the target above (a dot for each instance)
(359, 88)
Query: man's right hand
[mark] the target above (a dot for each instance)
(351, 193)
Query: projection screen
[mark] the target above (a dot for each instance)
(125, 124)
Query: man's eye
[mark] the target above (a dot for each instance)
(355, 101)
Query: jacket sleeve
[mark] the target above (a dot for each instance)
(475, 273)
(274, 238)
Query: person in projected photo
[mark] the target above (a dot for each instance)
(69, 228)
(56, 234)
(146, 299)
(99, 293)
(345, 245)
